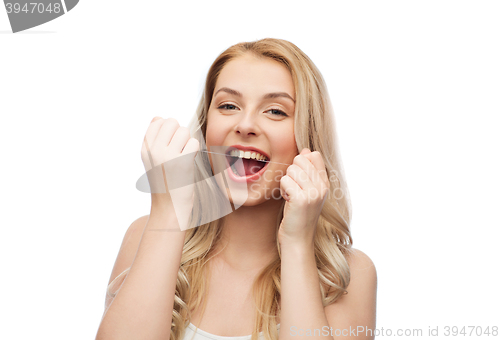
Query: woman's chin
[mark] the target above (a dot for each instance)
(252, 198)
(244, 199)
(249, 194)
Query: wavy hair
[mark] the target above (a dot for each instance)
(314, 128)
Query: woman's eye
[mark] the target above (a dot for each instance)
(274, 112)
(278, 112)
(227, 106)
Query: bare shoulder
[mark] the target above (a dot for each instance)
(126, 256)
(363, 281)
(134, 233)
(129, 246)
(360, 262)
(358, 306)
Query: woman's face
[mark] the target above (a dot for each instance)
(253, 106)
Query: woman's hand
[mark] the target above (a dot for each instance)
(171, 181)
(305, 188)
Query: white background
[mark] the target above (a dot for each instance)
(415, 89)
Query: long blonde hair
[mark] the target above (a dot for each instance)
(314, 128)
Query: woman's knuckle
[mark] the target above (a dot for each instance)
(173, 122)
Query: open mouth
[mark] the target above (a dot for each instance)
(251, 162)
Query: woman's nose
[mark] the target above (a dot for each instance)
(247, 125)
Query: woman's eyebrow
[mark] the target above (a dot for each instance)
(266, 96)
(279, 94)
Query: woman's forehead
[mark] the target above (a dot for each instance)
(251, 74)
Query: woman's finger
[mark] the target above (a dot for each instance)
(310, 171)
(317, 160)
(289, 187)
(179, 140)
(149, 138)
(300, 177)
(166, 132)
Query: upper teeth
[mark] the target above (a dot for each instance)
(247, 155)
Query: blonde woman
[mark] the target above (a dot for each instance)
(281, 264)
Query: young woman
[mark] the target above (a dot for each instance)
(282, 260)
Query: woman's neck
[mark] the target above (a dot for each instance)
(249, 236)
